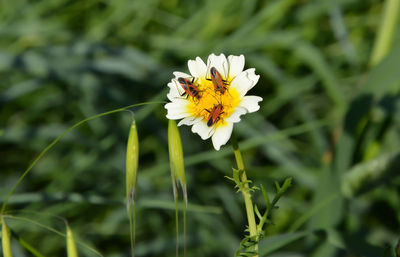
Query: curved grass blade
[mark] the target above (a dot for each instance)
(366, 176)
(4, 205)
(52, 230)
(30, 248)
(273, 243)
(386, 32)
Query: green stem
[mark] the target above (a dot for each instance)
(246, 192)
(184, 229)
(132, 222)
(4, 205)
(386, 32)
(176, 225)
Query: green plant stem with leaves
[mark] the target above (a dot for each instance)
(249, 245)
(246, 190)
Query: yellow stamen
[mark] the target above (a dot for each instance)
(209, 98)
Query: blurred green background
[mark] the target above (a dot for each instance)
(329, 120)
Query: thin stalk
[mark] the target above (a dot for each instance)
(184, 229)
(132, 223)
(31, 221)
(177, 226)
(246, 192)
(4, 205)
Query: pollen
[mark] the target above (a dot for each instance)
(209, 99)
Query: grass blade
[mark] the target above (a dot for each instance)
(386, 32)
(4, 205)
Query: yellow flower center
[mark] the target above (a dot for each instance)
(213, 106)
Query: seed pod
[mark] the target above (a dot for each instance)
(71, 246)
(5, 235)
(176, 158)
(132, 160)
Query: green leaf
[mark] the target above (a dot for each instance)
(367, 175)
(273, 243)
(266, 198)
(379, 83)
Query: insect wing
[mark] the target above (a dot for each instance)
(189, 87)
(210, 120)
(217, 80)
(215, 114)
(180, 88)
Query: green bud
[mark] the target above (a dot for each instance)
(132, 160)
(5, 235)
(71, 246)
(176, 158)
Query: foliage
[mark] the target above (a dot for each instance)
(329, 120)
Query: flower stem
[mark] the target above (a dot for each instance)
(246, 192)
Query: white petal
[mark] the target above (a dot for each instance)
(202, 129)
(235, 116)
(176, 116)
(220, 63)
(250, 102)
(177, 104)
(179, 74)
(172, 84)
(174, 91)
(189, 121)
(236, 65)
(177, 109)
(197, 68)
(222, 135)
(172, 96)
(245, 81)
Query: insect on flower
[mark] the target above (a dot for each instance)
(189, 87)
(216, 97)
(215, 114)
(219, 83)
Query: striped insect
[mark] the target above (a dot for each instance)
(189, 87)
(219, 83)
(215, 114)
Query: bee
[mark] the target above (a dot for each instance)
(219, 83)
(189, 87)
(215, 114)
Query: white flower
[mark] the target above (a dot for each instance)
(215, 96)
